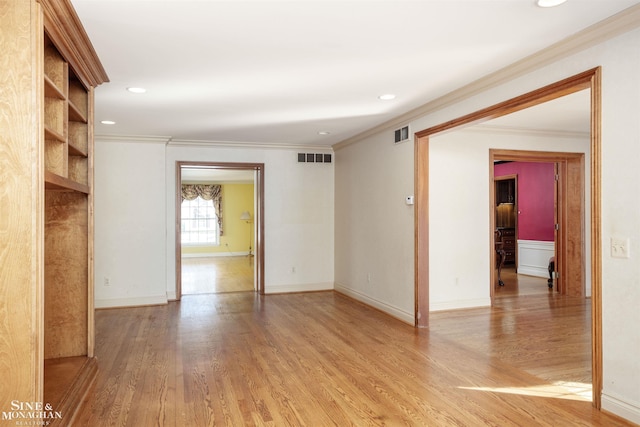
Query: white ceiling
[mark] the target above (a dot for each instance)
(570, 114)
(279, 72)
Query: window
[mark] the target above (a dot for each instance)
(199, 222)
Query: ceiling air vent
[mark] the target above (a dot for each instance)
(401, 135)
(314, 158)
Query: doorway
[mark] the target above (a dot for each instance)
(505, 188)
(219, 227)
(591, 80)
(568, 215)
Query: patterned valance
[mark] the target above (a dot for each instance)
(206, 192)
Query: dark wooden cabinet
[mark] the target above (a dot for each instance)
(506, 215)
(505, 191)
(508, 239)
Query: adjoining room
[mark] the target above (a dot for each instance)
(217, 230)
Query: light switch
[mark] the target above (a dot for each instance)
(619, 247)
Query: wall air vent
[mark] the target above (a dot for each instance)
(314, 158)
(401, 135)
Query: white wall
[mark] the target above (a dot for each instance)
(621, 218)
(373, 161)
(130, 223)
(135, 213)
(298, 217)
(374, 226)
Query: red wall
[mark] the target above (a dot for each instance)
(535, 198)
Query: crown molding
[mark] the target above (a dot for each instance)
(620, 23)
(133, 138)
(66, 31)
(249, 145)
(168, 140)
(507, 130)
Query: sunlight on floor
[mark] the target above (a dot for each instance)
(556, 390)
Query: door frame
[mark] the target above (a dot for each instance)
(569, 215)
(590, 79)
(258, 168)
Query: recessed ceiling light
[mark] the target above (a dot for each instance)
(387, 96)
(549, 3)
(108, 122)
(136, 89)
(324, 132)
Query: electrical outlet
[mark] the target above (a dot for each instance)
(619, 247)
(107, 281)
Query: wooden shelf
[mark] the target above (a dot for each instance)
(52, 134)
(76, 151)
(51, 90)
(57, 182)
(55, 68)
(75, 114)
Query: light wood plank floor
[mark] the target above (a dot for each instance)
(322, 359)
(539, 331)
(217, 274)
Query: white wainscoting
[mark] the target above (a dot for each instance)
(533, 257)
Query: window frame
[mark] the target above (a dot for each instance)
(213, 220)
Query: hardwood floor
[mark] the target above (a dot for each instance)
(217, 274)
(538, 331)
(322, 359)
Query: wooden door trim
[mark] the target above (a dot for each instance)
(590, 79)
(259, 216)
(421, 226)
(584, 80)
(572, 184)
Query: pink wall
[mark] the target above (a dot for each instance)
(535, 198)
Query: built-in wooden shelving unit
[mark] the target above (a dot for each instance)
(46, 169)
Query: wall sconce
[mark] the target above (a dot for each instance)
(246, 217)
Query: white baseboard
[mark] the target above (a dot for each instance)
(213, 254)
(460, 304)
(131, 302)
(382, 306)
(620, 408)
(533, 257)
(306, 287)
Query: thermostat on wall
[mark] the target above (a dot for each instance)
(409, 200)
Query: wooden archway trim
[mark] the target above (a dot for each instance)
(590, 79)
(550, 92)
(259, 215)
